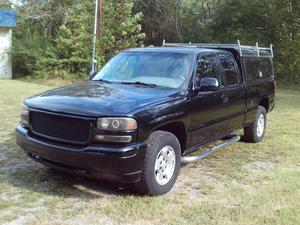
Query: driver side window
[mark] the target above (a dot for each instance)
(207, 66)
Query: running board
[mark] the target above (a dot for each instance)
(201, 155)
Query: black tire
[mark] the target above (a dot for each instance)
(148, 184)
(251, 132)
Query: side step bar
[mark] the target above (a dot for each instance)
(201, 155)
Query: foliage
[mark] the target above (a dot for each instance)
(54, 39)
(162, 19)
(177, 20)
(5, 4)
(119, 29)
(263, 21)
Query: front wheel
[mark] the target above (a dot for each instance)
(256, 131)
(161, 165)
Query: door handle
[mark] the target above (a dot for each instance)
(224, 98)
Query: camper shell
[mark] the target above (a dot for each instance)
(254, 61)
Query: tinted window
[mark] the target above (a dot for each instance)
(163, 69)
(229, 68)
(266, 67)
(258, 68)
(207, 67)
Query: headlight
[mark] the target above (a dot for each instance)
(117, 124)
(24, 115)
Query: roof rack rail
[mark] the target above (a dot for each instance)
(244, 50)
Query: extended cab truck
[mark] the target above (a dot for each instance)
(137, 119)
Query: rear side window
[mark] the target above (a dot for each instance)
(229, 68)
(257, 68)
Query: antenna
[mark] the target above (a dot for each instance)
(94, 61)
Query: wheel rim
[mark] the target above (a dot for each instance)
(260, 125)
(165, 165)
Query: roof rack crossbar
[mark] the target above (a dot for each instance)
(244, 50)
(240, 47)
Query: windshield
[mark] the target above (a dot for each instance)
(161, 69)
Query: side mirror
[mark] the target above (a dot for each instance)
(209, 84)
(92, 74)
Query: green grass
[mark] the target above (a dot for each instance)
(241, 184)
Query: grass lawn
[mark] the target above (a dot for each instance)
(241, 184)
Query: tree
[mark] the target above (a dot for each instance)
(177, 20)
(162, 19)
(120, 29)
(5, 4)
(54, 38)
(265, 21)
(56, 35)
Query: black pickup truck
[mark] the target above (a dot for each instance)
(139, 118)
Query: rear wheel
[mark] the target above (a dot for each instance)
(161, 165)
(256, 131)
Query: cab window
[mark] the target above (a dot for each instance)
(208, 66)
(230, 70)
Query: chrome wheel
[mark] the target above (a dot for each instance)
(260, 125)
(165, 165)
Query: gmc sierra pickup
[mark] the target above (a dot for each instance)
(138, 118)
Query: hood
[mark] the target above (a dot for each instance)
(96, 99)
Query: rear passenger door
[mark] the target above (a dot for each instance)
(234, 92)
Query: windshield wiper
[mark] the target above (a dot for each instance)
(141, 83)
(104, 81)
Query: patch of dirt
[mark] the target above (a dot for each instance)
(229, 202)
(11, 195)
(193, 180)
(6, 213)
(35, 209)
(22, 220)
(90, 220)
(22, 165)
(259, 165)
(3, 158)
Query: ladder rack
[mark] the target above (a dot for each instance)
(243, 50)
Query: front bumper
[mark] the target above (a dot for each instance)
(110, 163)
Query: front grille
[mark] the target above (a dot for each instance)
(61, 128)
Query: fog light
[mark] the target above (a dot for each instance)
(113, 138)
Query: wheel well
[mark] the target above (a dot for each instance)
(178, 129)
(265, 103)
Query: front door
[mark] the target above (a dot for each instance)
(208, 108)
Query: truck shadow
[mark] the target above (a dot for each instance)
(18, 170)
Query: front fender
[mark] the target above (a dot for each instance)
(162, 115)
